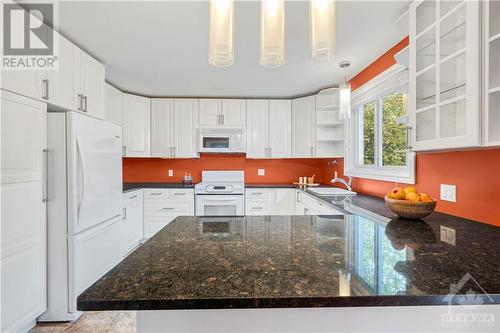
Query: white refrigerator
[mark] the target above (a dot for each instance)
(84, 207)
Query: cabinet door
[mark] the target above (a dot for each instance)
(303, 126)
(257, 128)
(64, 83)
(136, 126)
(285, 201)
(92, 85)
(162, 127)
(185, 120)
(23, 214)
(113, 105)
(233, 112)
(210, 112)
(280, 128)
(24, 82)
(133, 221)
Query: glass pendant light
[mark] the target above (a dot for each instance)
(345, 93)
(221, 51)
(272, 33)
(322, 21)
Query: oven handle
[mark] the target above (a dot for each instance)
(219, 200)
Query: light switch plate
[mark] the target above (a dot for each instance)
(261, 172)
(447, 235)
(448, 192)
(170, 173)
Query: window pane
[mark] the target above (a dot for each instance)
(369, 133)
(393, 133)
(391, 281)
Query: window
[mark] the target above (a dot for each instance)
(378, 129)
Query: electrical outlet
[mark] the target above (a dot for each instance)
(448, 192)
(170, 173)
(447, 235)
(261, 172)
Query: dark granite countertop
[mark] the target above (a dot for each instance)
(134, 186)
(305, 261)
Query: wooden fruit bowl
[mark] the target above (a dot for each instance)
(410, 209)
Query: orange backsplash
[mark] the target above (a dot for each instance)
(277, 170)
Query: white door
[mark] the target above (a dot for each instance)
(94, 163)
(210, 112)
(257, 128)
(185, 120)
(136, 126)
(280, 128)
(23, 213)
(162, 127)
(233, 112)
(64, 83)
(113, 105)
(92, 85)
(303, 125)
(285, 201)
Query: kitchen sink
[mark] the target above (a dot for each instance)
(326, 191)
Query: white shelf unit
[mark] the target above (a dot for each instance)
(329, 124)
(491, 40)
(445, 74)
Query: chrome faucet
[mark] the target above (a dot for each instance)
(347, 184)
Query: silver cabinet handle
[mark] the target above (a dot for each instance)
(45, 183)
(154, 193)
(85, 104)
(45, 89)
(257, 193)
(257, 208)
(222, 117)
(408, 137)
(124, 213)
(312, 151)
(124, 151)
(133, 197)
(80, 102)
(173, 148)
(179, 193)
(168, 208)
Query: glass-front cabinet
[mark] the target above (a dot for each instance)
(491, 42)
(445, 74)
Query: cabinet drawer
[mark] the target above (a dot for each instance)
(181, 194)
(132, 197)
(260, 193)
(160, 209)
(258, 207)
(158, 193)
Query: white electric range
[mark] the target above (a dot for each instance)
(220, 193)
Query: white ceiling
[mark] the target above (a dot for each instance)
(160, 48)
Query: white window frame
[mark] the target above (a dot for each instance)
(388, 81)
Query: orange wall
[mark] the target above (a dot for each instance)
(476, 173)
(279, 170)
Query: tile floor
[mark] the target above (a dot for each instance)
(94, 322)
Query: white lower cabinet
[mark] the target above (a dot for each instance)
(161, 206)
(270, 201)
(133, 226)
(23, 245)
(309, 205)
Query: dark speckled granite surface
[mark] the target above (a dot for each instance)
(134, 186)
(304, 261)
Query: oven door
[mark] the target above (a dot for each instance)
(216, 143)
(219, 205)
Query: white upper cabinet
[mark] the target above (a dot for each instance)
(63, 84)
(92, 86)
(303, 126)
(136, 126)
(233, 112)
(25, 82)
(173, 127)
(257, 128)
(491, 40)
(210, 111)
(113, 105)
(162, 127)
(445, 81)
(225, 112)
(185, 120)
(280, 128)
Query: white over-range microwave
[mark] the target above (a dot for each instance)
(221, 140)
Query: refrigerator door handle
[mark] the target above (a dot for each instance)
(80, 179)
